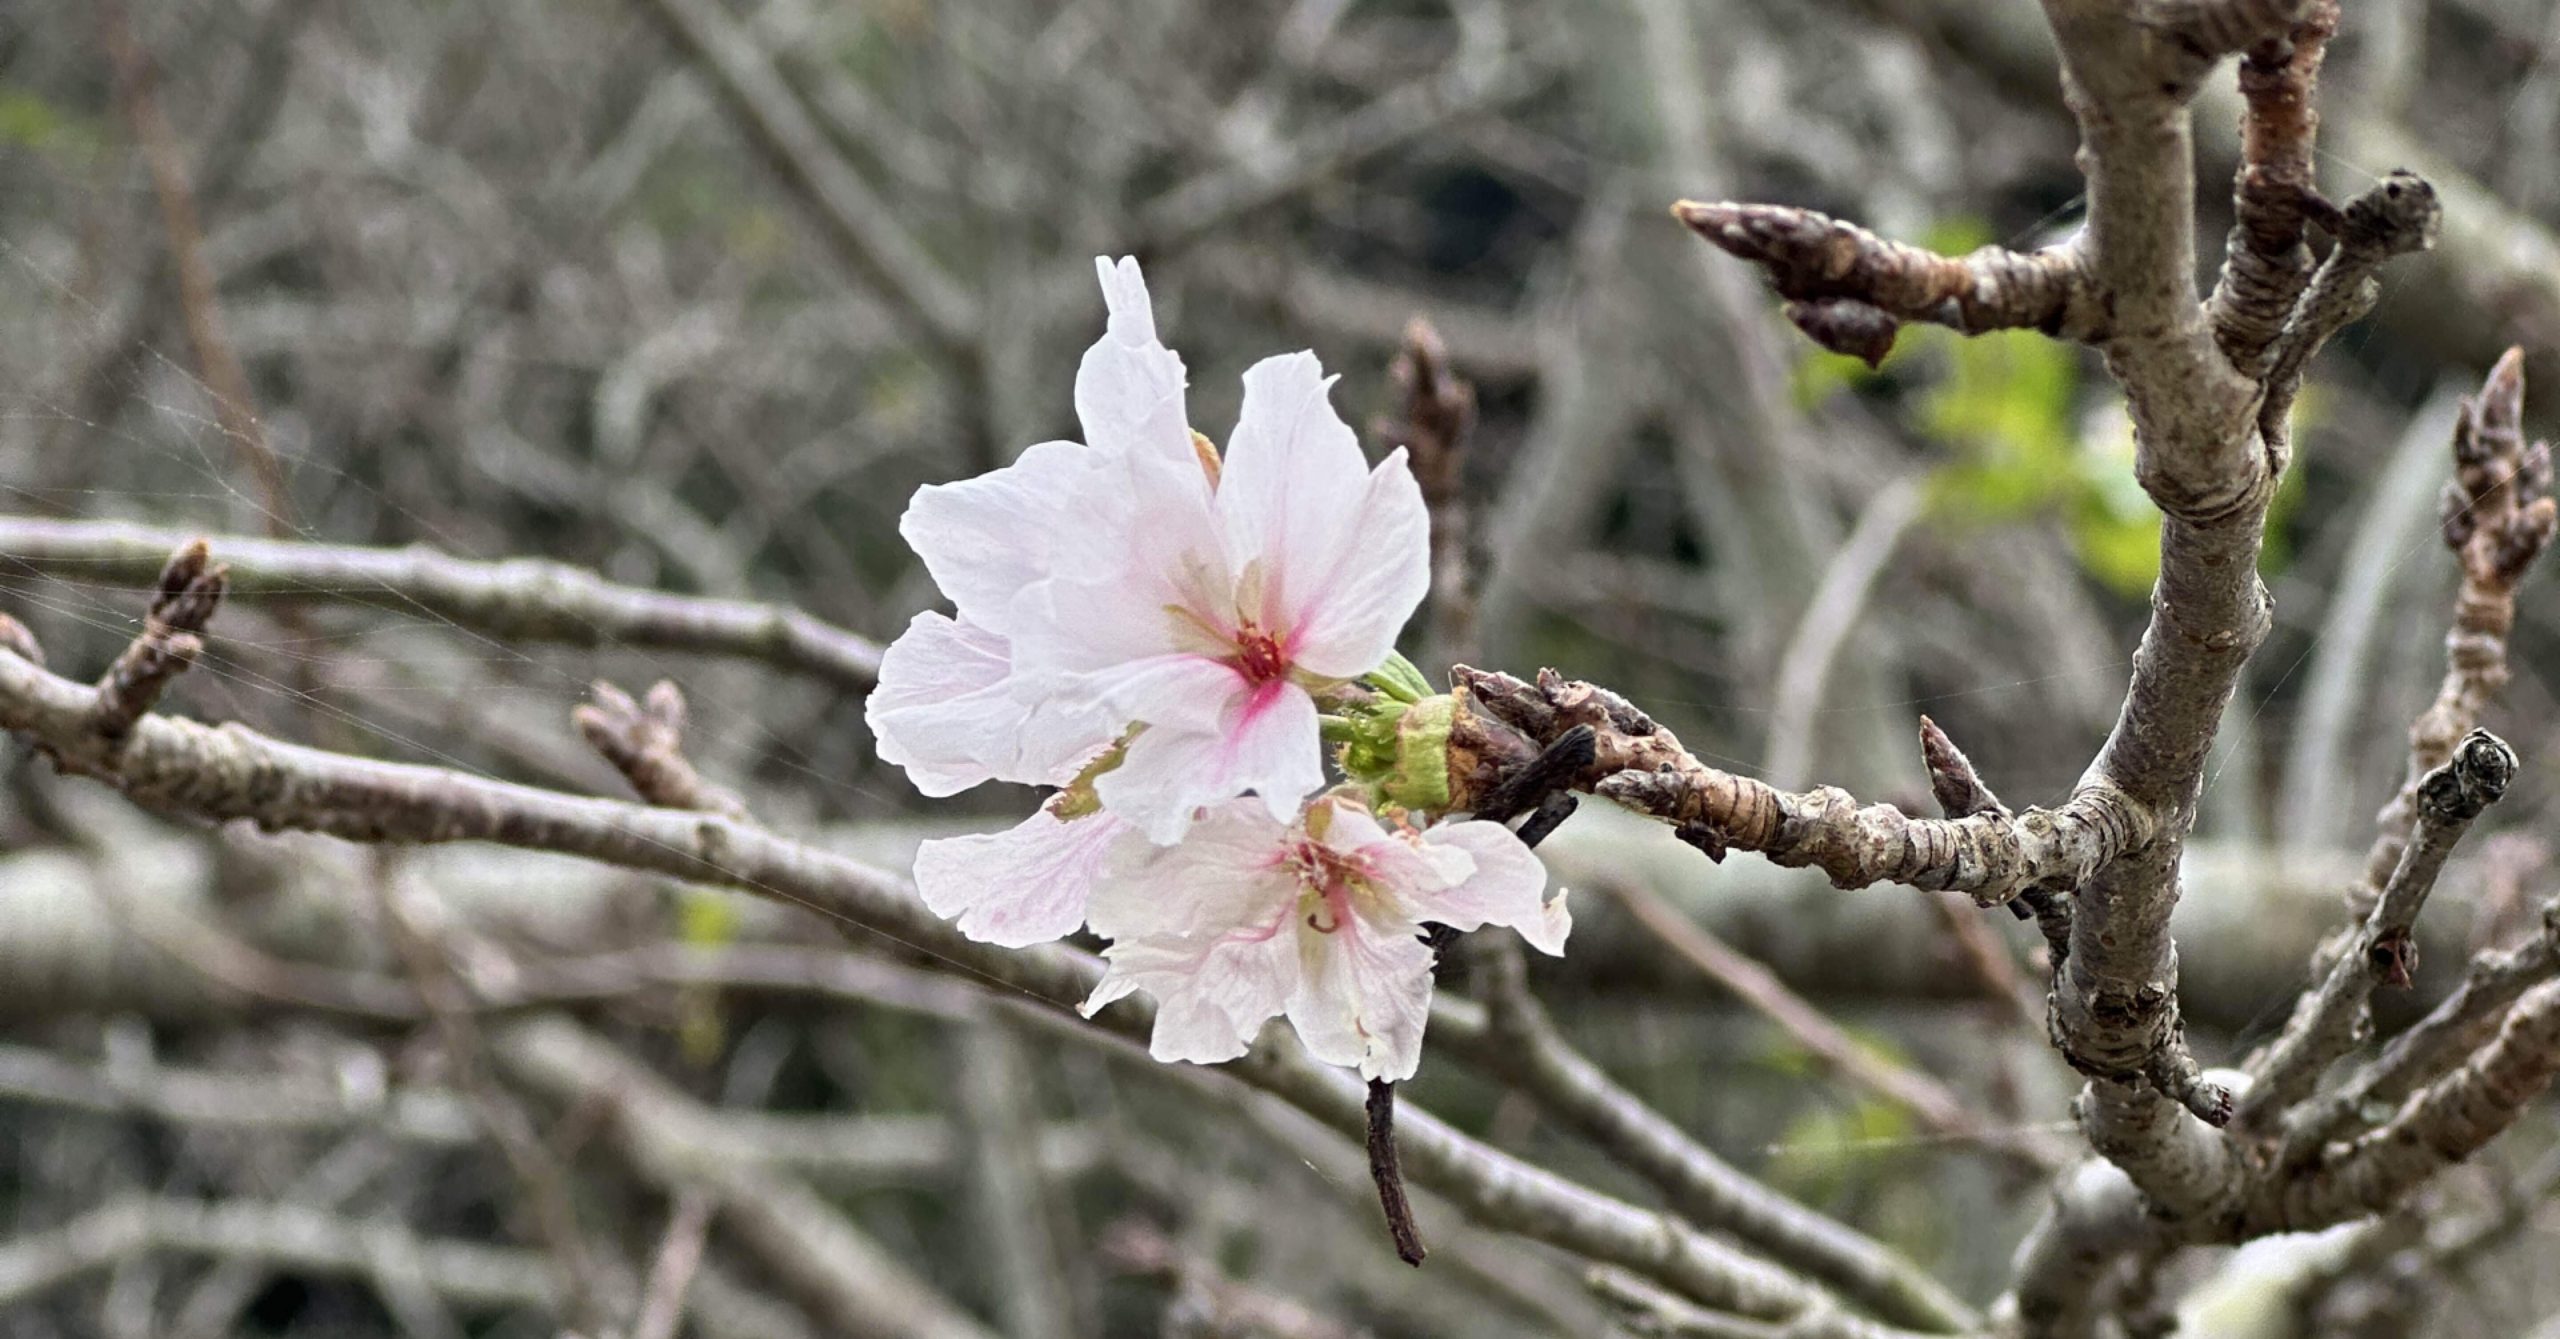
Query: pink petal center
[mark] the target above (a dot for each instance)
(1260, 657)
(1328, 880)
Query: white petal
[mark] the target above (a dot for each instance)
(942, 710)
(1364, 997)
(1372, 583)
(986, 539)
(1226, 872)
(1026, 885)
(1119, 584)
(1292, 478)
(1265, 741)
(1507, 887)
(950, 710)
(1129, 387)
(1212, 992)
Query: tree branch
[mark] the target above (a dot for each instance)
(2444, 1123)
(234, 773)
(2330, 1021)
(840, 1274)
(1931, 1103)
(1850, 290)
(2275, 194)
(1643, 766)
(518, 599)
(2433, 1045)
(859, 227)
(1519, 1043)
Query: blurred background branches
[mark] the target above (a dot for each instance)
(692, 294)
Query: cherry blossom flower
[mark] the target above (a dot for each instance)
(950, 709)
(1247, 919)
(1143, 600)
(1215, 620)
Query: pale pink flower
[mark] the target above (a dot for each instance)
(950, 709)
(1210, 618)
(1320, 919)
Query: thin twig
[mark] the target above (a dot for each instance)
(1838, 605)
(234, 407)
(2332, 1019)
(1932, 1103)
(672, 1269)
(1386, 1172)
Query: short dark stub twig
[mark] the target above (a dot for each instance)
(1384, 1169)
(1541, 776)
(190, 589)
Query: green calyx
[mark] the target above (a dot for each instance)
(1397, 748)
(1399, 678)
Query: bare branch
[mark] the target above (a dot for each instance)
(1930, 1102)
(2211, 28)
(1835, 608)
(1642, 766)
(462, 1273)
(2398, 216)
(518, 599)
(671, 1271)
(1518, 1042)
(2443, 1124)
(225, 381)
(859, 226)
(234, 773)
(190, 588)
(415, 921)
(834, 1269)
(1139, 1248)
(2433, 1045)
(2332, 1019)
(1434, 423)
(1850, 290)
